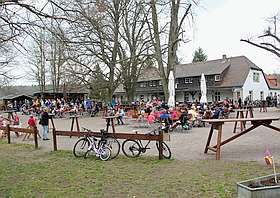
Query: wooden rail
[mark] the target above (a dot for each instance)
(132, 136)
(8, 129)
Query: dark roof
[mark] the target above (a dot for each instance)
(13, 96)
(30, 90)
(235, 70)
(18, 90)
(195, 69)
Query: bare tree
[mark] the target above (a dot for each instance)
(16, 20)
(135, 45)
(270, 39)
(175, 32)
(37, 59)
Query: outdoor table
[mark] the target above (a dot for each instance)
(217, 124)
(240, 114)
(75, 118)
(108, 120)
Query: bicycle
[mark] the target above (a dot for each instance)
(133, 148)
(82, 145)
(100, 150)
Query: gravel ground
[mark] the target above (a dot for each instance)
(186, 145)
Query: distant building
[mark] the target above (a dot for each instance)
(232, 78)
(274, 86)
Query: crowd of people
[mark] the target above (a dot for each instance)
(187, 115)
(58, 107)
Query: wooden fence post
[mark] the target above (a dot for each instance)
(160, 148)
(35, 133)
(54, 140)
(8, 133)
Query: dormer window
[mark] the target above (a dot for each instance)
(153, 83)
(188, 80)
(142, 84)
(217, 77)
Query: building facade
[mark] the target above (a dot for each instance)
(231, 78)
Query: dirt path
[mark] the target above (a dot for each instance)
(188, 146)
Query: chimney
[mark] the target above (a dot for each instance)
(224, 57)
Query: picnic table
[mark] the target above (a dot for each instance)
(240, 114)
(110, 122)
(217, 124)
(75, 118)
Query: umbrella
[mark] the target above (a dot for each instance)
(203, 89)
(171, 89)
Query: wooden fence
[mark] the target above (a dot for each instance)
(133, 136)
(8, 129)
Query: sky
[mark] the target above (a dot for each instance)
(219, 25)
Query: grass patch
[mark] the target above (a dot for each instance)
(26, 172)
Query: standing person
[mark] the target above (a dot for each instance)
(120, 114)
(240, 103)
(44, 121)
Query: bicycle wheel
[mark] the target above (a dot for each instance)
(89, 153)
(131, 148)
(105, 153)
(166, 152)
(81, 147)
(114, 145)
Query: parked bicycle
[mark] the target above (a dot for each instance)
(82, 145)
(133, 148)
(99, 149)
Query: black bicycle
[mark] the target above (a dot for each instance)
(82, 145)
(133, 148)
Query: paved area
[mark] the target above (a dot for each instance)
(188, 145)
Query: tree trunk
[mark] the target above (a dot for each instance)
(158, 51)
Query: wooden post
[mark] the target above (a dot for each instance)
(8, 133)
(77, 124)
(107, 125)
(160, 148)
(219, 139)
(54, 140)
(235, 124)
(113, 125)
(209, 138)
(35, 132)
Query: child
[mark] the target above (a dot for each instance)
(31, 122)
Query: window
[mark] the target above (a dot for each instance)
(188, 80)
(160, 83)
(142, 84)
(153, 83)
(256, 77)
(261, 95)
(217, 77)
(217, 96)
